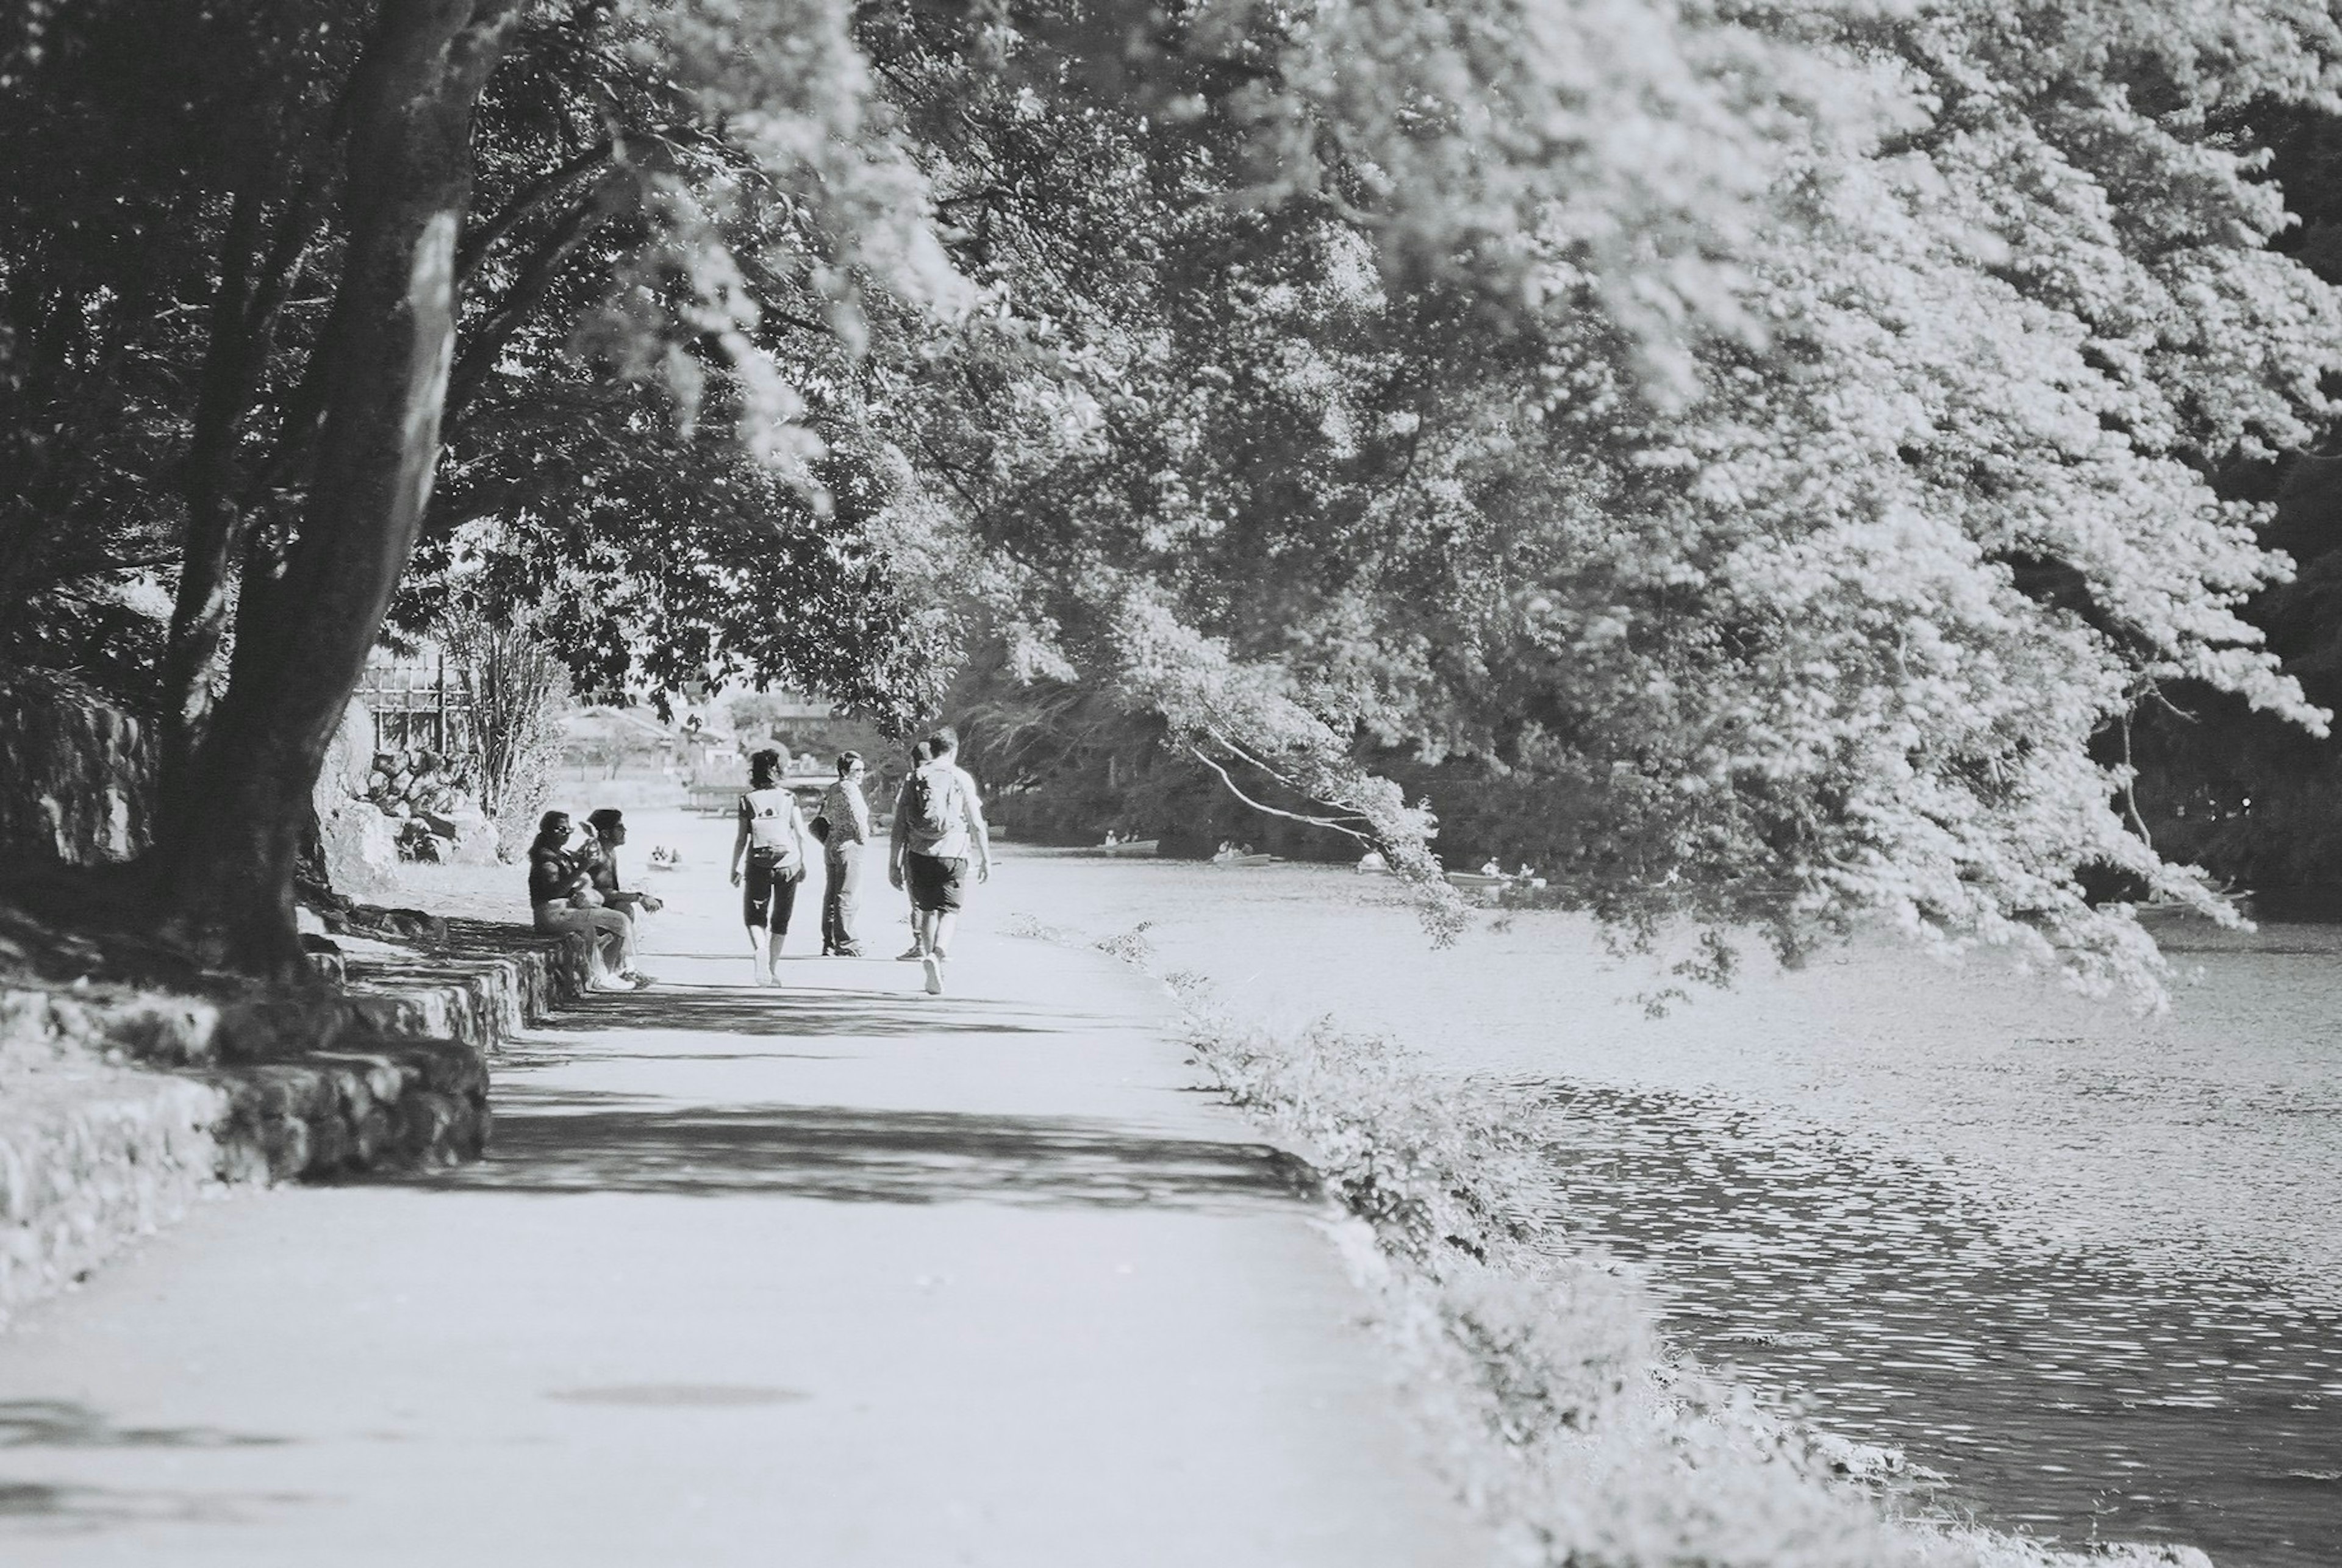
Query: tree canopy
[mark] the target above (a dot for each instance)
(1775, 448)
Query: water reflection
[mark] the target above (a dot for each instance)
(2062, 1388)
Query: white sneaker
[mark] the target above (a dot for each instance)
(933, 968)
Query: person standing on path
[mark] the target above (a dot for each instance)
(846, 811)
(938, 828)
(777, 850)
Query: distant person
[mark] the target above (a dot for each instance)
(938, 830)
(561, 896)
(920, 757)
(776, 850)
(846, 822)
(608, 826)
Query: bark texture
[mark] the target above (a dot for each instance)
(234, 821)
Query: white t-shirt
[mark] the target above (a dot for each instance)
(773, 822)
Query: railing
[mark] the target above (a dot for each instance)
(417, 705)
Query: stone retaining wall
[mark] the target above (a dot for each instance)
(118, 1109)
(76, 773)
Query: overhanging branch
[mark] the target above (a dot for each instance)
(1335, 823)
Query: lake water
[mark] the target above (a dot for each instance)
(2086, 1265)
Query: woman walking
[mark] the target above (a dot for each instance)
(776, 850)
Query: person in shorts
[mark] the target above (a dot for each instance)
(770, 858)
(938, 836)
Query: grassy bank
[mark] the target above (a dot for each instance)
(1559, 1407)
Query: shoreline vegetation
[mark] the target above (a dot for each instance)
(1553, 1401)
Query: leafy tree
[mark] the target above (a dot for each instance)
(1777, 441)
(1838, 636)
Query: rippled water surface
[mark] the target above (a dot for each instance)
(2086, 1264)
(2062, 1388)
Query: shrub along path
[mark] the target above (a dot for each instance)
(837, 1275)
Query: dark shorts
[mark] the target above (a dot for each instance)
(768, 894)
(935, 884)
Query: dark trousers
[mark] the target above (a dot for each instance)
(841, 868)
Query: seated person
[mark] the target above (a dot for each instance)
(607, 830)
(561, 896)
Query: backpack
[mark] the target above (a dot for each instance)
(931, 807)
(781, 855)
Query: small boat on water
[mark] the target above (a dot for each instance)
(1133, 846)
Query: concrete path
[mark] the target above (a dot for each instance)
(836, 1275)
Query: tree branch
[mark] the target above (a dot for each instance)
(527, 292)
(1335, 823)
(526, 203)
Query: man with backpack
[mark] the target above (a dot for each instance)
(938, 830)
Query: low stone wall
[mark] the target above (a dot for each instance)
(76, 773)
(118, 1109)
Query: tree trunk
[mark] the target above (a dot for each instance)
(199, 612)
(237, 815)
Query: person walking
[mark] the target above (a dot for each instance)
(920, 757)
(846, 819)
(776, 850)
(938, 830)
(561, 897)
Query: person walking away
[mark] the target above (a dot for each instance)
(608, 826)
(938, 830)
(920, 757)
(776, 850)
(845, 812)
(561, 897)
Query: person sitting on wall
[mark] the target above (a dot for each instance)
(608, 828)
(561, 896)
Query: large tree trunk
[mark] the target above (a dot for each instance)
(199, 613)
(234, 825)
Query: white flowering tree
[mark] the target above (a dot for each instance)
(1796, 525)
(1780, 440)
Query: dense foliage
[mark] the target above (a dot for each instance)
(1755, 456)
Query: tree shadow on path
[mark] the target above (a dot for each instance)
(555, 1136)
(730, 1011)
(857, 1155)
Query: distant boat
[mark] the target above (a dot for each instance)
(1131, 846)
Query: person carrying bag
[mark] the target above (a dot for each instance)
(770, 858)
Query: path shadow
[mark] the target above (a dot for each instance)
(41, 1506)
(63, 1424)
(785, 1012)
(852, 1154)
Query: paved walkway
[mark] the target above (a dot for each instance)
(838, 1275)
